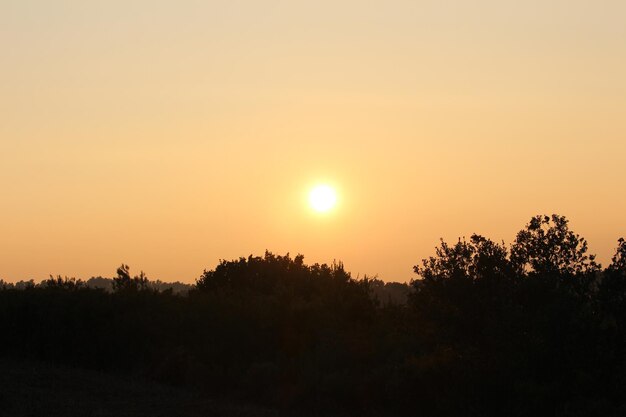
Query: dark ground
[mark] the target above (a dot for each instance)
(29, 388)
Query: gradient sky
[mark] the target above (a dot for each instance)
(171, 134)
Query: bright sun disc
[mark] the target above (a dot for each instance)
(322, 198)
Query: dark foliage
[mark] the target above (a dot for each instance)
(547, 246)
(124, 283)
(537, 328)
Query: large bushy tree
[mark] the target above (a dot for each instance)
(547, 246)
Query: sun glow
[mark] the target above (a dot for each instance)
(322, 198)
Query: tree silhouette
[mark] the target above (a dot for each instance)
(535, 328)
(612, 291)
(124, 283)
(618, 263)
(62, 283)
(547, 246)
(478, 259)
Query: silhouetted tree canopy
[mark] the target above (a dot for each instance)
(547, 246)
(618, 263)
(476, 260)
(274, 274)
(535, 328)
(63, 283)
(124, 283)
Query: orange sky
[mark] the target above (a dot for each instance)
(168, 135)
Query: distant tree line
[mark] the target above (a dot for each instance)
(106, 284)
(486, 329)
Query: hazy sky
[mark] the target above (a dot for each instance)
(170, 134)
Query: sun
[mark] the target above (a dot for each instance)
(322, 198)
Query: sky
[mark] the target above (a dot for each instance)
(168, 135)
